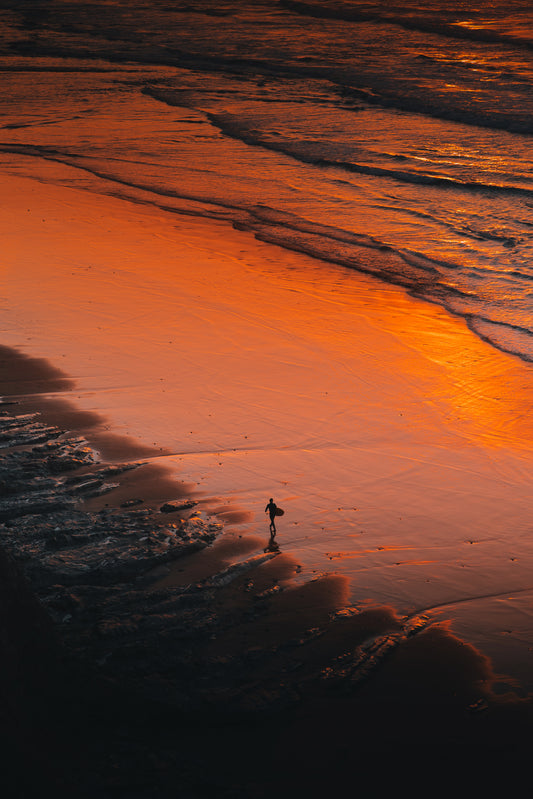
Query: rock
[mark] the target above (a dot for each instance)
(130, 503)
(173, 507)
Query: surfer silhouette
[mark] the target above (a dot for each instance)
(272, 508)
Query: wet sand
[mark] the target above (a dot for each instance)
(398, 444)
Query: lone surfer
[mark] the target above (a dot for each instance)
(271, 508)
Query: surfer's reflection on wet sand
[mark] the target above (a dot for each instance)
(272, 545)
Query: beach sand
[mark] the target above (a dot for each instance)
(398, 443)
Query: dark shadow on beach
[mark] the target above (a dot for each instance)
(30, 385)
(231, 676)
(35, 385)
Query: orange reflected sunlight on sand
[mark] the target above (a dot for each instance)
(252, 372)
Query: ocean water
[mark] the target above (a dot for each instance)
(393, 139)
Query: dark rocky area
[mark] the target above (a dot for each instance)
(118, 682)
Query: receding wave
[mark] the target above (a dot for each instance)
(232, 127)
(455, 29)
(513, 339)
(516, 118)
(353, 250)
